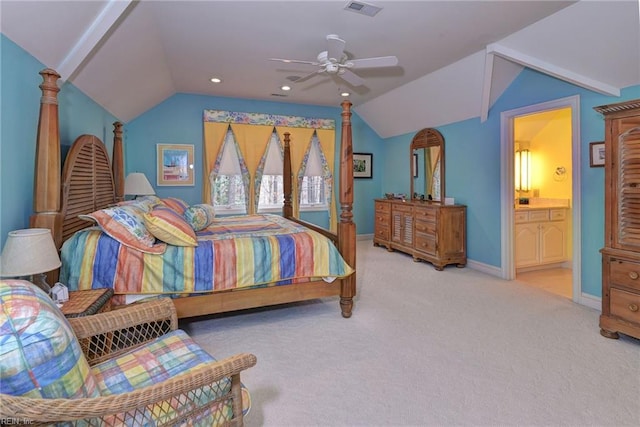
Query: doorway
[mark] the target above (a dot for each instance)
(508, 193)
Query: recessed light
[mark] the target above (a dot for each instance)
(215, 80)
(285, 87)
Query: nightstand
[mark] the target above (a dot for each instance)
(86, 303)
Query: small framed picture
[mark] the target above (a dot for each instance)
(362, 165)
(175, 165)
(596, 154)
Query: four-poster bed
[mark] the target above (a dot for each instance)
(88, 184)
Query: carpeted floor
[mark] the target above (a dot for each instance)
(429, 348)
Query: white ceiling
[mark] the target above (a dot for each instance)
(455, 57)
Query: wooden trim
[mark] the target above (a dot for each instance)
(241, 299)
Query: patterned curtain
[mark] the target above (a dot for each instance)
(214, 134)
(251, 149)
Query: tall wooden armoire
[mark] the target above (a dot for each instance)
(621, 252)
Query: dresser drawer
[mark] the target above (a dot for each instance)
(426, 227)
(425, 244)
(625, 305)
(382, 232)
(426, 214)
(382, 207)
(624, 273)
(398, 207)
(382, 219)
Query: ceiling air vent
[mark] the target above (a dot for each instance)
(282, 95)
(363, 8)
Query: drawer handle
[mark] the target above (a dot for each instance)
(633, 307)
(633, 275)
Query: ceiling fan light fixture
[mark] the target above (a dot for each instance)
(285, 87)
(216, 80)
(344, 94)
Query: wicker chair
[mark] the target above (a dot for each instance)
(192, 391)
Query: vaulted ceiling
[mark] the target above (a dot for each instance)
(455, 57)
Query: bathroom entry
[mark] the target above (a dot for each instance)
(543, 200)
(544, 204)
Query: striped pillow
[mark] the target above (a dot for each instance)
(170, 227)
(176, 204)
(40, 356)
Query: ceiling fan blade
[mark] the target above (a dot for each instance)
(382, 61)
(294, 61)
(350, 77)
(335, 49)
(308, 76)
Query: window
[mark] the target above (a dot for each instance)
(312, 188)
(271, 187)
(228, 187)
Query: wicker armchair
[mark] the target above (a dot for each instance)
(205, 393)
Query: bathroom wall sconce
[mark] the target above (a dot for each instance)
(523, 170)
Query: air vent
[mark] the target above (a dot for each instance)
(362, 8)
(281, 95)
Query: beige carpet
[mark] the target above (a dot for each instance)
(429, 348)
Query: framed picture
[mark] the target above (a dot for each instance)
(174, 164)
(596, 154)
(362, 165)
(415, 165)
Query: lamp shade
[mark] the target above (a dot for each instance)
(137, 184)
(28, 252)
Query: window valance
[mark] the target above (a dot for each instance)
(219, 116)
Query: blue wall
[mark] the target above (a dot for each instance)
(473, 169)
(178, 120)
(20, 103)
(472, 151)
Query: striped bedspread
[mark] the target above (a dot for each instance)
(233, 252)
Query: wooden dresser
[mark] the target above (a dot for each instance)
(621, 252)
(428, 231)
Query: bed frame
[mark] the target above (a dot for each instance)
(89, 182)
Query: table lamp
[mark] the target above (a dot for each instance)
(136, 184)
(30, 252)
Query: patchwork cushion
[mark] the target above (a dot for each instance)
(170, 227)
(176, 204)
(200, 216)
(126, 225)
(161, 359)
(40, 356)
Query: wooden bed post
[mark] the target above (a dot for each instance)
(118, 162)
(287, 187)
(346, 226)
(46, 187)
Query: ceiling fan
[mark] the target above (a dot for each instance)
(334, 61)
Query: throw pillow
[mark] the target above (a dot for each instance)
(170, 227)
(200, 216)
(40, 356)
(126, 225)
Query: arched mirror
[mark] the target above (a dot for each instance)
(427, 166)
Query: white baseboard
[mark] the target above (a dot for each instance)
(485, 268)
(590, 301)
(364, 236)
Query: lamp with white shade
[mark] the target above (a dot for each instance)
(136, 184)
(30, 252)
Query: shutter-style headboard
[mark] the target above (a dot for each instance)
(87, 183)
